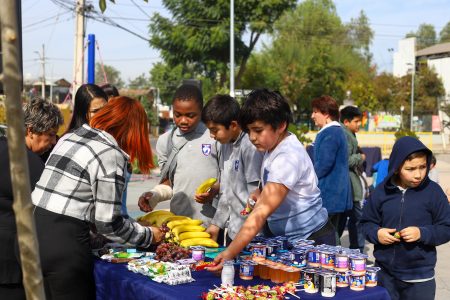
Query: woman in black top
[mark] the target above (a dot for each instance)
(42, 120)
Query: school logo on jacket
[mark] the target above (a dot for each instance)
(236, 165)
(206, 149)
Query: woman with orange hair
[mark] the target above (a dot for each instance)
(82, 184)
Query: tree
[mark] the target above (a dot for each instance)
(140, 82)
(429, 89)
(444, 35)
(108, 74)
(360, 34)
(312, 54)
(426, 36)
(198, 33)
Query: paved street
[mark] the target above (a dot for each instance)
(137, 187)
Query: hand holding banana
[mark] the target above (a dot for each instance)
(207, 191)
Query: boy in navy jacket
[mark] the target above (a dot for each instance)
(406, 217)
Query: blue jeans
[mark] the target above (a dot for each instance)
(355, 232)
(124, 210)
(400, 290)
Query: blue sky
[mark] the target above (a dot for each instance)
(45, 22)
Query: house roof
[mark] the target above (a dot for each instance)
(433, 50)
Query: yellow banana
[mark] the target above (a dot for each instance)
(205, 186)
(183, 228)
(206, 242)
(190, 235)
(153, 216)
(167, 218)
(172, 224)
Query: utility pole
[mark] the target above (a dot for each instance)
(232, 48)
(42, 61)
(23, 208)
(78, 61)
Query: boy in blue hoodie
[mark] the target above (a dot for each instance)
(406, 217)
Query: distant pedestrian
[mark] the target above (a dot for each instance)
(331, 160)
(406, 217)
(351, 121)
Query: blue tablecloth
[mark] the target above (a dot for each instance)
(114, 281)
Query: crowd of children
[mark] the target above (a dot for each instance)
(406, 216)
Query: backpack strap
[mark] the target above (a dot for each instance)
(168, 170)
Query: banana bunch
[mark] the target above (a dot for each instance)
(154, 216)
(205, 186)
(180, 229)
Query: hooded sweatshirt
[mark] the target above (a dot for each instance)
(424, 206)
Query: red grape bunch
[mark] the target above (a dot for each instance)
(171, 252)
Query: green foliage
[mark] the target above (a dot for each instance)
(112, 76)
(197, 33)
(140, 82)
(300, 132)
(426, 36)
(405, 132)
(444, 35)
(314, 53)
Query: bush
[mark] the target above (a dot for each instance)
(300, 132)
(405, 132)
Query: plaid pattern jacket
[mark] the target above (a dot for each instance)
(84, 178)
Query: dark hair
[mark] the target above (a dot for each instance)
(110, 90)
(221, 109)
(189, 92)
(267, 106)
(349, 113)
(41, 115)
(433, 159)
(83, 99)
(417, 154)
(326, 105)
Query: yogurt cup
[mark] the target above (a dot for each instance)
(371, 276)
(358, 264)
(357, 282)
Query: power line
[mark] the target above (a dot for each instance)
(140, 8)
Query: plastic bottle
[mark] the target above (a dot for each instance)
(228, 273)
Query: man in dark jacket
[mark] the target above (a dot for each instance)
(406, 217)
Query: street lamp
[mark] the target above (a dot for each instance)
(42, 60)
(402, 108)
(413, 71)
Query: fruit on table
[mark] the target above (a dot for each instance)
(183, 228)
(206, 242)
(174, 223)
(167, 218)
(171, 252)
(205, 186)
(190, 235)
(153, 216)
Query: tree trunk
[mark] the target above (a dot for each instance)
(245, 58)
(23, 208)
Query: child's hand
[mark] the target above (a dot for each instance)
(386, 237)
(213, 230)
(208, 196)
(410, 234)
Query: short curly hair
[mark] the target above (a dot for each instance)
(41, 116)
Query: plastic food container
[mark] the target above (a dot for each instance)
(341, 263)
(198, 253)
(327, 284)
(357, 282)
(311, 280)
(343, 279)
(358, 264)
(259, 251)
(246, 270)
(313, 259)
(371, 276)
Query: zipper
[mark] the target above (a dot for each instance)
(399, 221)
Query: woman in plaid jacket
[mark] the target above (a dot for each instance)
(82, 183)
